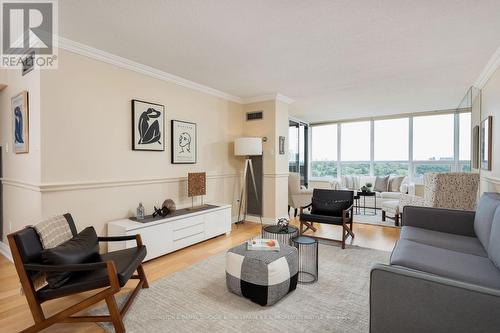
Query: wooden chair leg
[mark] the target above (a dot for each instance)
(343, 236)
(115, 315)
(142, 275)
(383, 215)
(295, 212)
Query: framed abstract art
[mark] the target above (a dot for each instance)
(148, 126)
(183, 142)
(20, 116)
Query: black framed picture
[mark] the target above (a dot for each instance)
(148, 126)
(183, 142)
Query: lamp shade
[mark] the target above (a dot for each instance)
(248, 146)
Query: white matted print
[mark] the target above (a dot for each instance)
(20, 116)
(183, 142)
(148, 126)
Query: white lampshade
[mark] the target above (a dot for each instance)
(248, 146)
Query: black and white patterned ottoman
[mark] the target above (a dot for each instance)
(264, 277)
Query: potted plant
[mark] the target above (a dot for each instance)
(368, 187)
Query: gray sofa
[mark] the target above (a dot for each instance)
(444, 272)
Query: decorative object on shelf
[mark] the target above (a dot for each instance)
(28, 63)
(283, 224)
(248, 146)
(140, 211)
(369, 186)
(282, 145)
(160, 212)
(20, 116)
(170, 205)
(148, 126)
(486, 138)
(475, 147)
(183, 142)
(197, 186)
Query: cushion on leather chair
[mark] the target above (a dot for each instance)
(329, 207)
(459, 243)
(126, 262)
(446, 263)
(336, 220)
(82, 248)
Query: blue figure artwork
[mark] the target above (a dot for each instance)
(18, 128)
(149, 133)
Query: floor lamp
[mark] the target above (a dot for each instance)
(248, 146)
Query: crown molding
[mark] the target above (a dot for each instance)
(91, 52)
(488, 70)
(268, 97)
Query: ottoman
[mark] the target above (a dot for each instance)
(391, 207)
(264, 277)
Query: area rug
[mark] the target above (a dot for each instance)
(196, 299)
(373, 219)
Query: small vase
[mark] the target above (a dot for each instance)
(140, 211)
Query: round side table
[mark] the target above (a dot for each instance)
(308, 258)
(282, 236)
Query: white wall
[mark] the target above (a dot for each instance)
(490, 106)
(86, 165)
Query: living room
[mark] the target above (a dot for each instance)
(246, 166)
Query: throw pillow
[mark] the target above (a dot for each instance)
(395, 184)
(53, 231)
(329, 207)
(381, 184)
(79, 249)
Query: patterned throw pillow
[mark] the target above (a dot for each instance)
(53, 231)
(395, 184)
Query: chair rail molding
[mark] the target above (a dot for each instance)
(98, 184)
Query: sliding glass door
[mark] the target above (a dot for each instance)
(298, 149)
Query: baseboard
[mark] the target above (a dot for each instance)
(5, 251)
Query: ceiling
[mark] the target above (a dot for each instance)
(336, 59)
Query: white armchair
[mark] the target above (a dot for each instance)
(454, 190)
(298, 196)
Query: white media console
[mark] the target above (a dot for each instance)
(169, 234)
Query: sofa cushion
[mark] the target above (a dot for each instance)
(446, 263)
(381, 184)
(494, 243)
(465, 244)
(390, 195)
(484, 216)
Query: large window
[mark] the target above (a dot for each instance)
(391, 147)
(433, 140)
(355, 148)
(411, 145)
(324, 151)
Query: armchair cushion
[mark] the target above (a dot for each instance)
(80, 249)
(126, 262)
(322, 206)
(336, 220)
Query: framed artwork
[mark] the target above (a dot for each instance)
(148, 126)
(282, 145)
(475, 147)
(486, 136)
(20, 116)
(183, 142)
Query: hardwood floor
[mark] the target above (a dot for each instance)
(15, 314)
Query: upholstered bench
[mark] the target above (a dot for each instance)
(264, 277)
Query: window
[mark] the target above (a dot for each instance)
(391, 156)
(355, 148)
(464, 136)
(324, 151)
(433, 138)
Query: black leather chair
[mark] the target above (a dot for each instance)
(329, 207)
(110, 271)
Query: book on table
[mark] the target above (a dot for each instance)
(261, 244)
